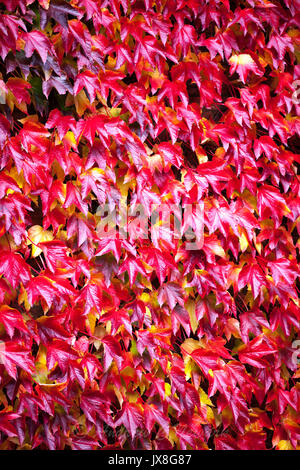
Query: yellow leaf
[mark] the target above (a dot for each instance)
(188, 367)
(167, 389)
(243, 242)
(210, 415)
(241, 59)
(189, 345)
(70, 138)
(23, 298)
(81, 103)
(36, 235)
(204, 398)
(172, 436)
(191, 308)
(284, 445)
(91, 320)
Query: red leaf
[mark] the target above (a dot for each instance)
(58, 352)
(37, 41)
(154, 415)
(12, 320)
(255, 352)
(253, 275)
(89, 81)
(131, 417)
(112, 351)
(83, 442)
(161, 262)
(170, 293)
(14, 268)
(13, 355)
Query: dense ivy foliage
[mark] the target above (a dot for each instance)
(130, 338)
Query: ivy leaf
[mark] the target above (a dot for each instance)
(254, 353)
(131, 417)
(154, 415)
(253, 275)
(14, 268)
(12, 320)
(37, 41)
(15, 355)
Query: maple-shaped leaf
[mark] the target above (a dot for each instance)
(92, 365)
(162, 263)
(193, 219)
(133, 266)
(115, 246)
(253, 275)
(112, 351)
(154, 415)
(12, 355)
(245, 17)
(14, 268)
(34, 134)
(117, 318)
(94, 404)
(243, 64)
(61, 122)
(283, 271)
(19, 88)
(94, 180)
(131, 417)
(40, 287)
(209, 355)
(148, 47)
(48, 288)
(153, 338)
(180, 316)
(89, 81)
(286, 318)
(271, 202)
(56, 254)
(172, 154)
(61, 353)
(173, 91)
(280, 43)
(139, 338)
(58, 11)
(206, 360)
(73, 197)
(61, 84)
(91, 294)
(185, 37)
(188, 436)
(38, 41)
(6, 423)
(89, 126)
(51, 327)
(265, 145)
(81, 34)
(12, 320)
(225, 442)
(7, 183)
(255, 351)
(240, 113)
(253, 322)
(171, 293)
